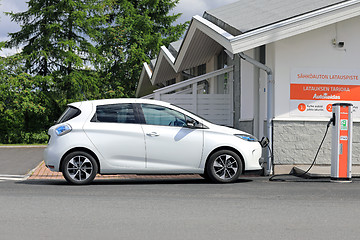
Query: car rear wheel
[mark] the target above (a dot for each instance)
(79, 168)
(224, 166)
(205, 176)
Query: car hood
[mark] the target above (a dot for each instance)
(224, 129)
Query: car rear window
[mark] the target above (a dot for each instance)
(69, 113)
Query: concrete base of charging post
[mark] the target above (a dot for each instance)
(341, 180)
(317, 171)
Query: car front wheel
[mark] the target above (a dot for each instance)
(79, 168)
(224, 166)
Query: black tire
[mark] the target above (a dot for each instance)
(79, 168)
(205, 176)
(224, 166)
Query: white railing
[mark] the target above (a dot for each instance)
(217, 108)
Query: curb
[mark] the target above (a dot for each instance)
(42, 172)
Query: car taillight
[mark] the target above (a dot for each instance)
(63, 129)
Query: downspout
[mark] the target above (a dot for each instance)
(270, 106)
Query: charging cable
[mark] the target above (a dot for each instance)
(313, 162)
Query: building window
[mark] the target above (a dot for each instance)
(170, 82)
(201, 70)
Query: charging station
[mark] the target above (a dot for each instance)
(341, 148)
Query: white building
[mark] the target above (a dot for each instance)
(311, 50)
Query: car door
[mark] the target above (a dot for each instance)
(116, 133)
(170, 144)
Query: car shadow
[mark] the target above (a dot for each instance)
(135, 181)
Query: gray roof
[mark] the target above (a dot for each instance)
(174, 47)
(246, 15)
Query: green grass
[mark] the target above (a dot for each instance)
(17, 145)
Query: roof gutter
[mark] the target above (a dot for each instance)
(270, 107)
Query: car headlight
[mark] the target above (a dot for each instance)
(247, 137)
(63, 129)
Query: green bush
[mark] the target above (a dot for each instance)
(25, 138)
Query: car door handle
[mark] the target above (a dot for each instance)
(152, 134)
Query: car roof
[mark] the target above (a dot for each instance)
(118, 100)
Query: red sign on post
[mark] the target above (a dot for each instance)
(341, 148)
(343, 141)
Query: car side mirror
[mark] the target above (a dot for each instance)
(264, 142)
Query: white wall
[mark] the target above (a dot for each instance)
(247, 88)
(253, 94)
(313, 49)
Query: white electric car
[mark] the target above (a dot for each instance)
(140, 136)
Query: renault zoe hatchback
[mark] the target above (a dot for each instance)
(141, 136)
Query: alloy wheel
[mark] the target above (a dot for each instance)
(80, 168)
(225, 167)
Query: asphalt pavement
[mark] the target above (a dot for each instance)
(252, 208)
(186, 207)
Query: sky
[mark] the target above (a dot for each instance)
(188, 8)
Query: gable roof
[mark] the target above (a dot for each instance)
(243, 16)
(296, 25)
(246, 25)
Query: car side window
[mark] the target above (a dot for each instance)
(115, 113)
(159, 115)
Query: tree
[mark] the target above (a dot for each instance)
(24, 110)
(70, 39)
(57, 37)
(74, 50)
(137, 29)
